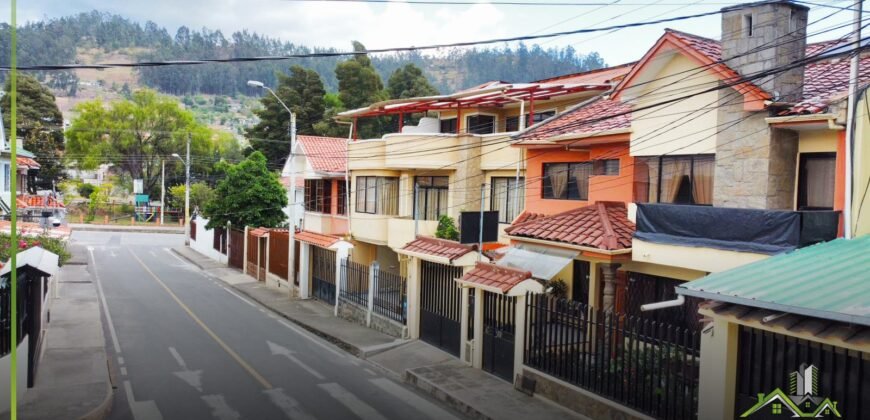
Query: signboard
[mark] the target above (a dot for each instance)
(469, 227)
(138, 187)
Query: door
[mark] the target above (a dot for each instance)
(440, 300)
(580, 282)
(498, 335)
(323, 274)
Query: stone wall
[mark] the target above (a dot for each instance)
(357, 314)
(579, 400)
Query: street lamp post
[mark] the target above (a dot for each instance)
(186, 191)
(291, 257)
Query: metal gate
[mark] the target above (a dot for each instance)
(440, 306)
(498, 334)
(323, 273)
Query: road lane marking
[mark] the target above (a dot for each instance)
(112, 333)
(181, 260)
(123, 371)
(287, 404)
(177, 358)
(141, 410)
(219, 408)
(279, 350)
(247, 367)
(120, 360)
(370, 372)
(240, 298)
(311, 338)
(354, 404)
(421, 404)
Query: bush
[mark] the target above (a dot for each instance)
(85, 190)
(54, 245)
(447, 228)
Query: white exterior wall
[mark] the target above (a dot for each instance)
(22, 375)
(204, 243)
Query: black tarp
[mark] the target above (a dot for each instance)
(747, 230)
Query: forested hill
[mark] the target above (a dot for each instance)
(60, 41)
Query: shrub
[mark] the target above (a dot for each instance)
(85, 190)
(447, 228)
(54, 245)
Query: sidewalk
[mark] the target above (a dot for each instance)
(122, 228)
(471, 391)
(72, 380)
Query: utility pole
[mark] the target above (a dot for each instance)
(162, 188)
(416, 210)
(480, 231)
(291, 257)
(850, 116)
(187, 193)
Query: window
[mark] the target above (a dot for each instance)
(430, 197)
(480, 124)
(7, 177)
(342, 198)
(448, 126)
(567, 181)
(605, 167)
(318, 195)
(513, 123)
(507, 197)
(776, 408)
(747, 24)
(685, 179)
(377, 195)
(816, 178)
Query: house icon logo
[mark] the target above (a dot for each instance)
(804, 400)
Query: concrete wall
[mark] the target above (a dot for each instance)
(700, 259)
(204, 241)
(5, 372)
(861, 158)
(580, 400)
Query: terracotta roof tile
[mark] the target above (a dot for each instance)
(599, 115)
(438, 247)
(527, 216)
(28, 162)
(319, 239)
(492, 276)
(259, 232)
(597, 76)
(325, 154)
(603, 225)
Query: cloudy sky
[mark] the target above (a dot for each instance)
(380, 25)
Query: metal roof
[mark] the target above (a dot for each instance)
(829, 281)
(43, 261)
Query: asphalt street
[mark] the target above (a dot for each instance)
(185, 346)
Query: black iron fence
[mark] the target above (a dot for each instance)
(648, 365)
(390, 295)
(354, 282)
(323, 273)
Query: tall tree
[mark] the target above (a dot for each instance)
(248, 195)
(40, 125)
(359, 85)
(303, 92)
(409, 82)
(136, 134)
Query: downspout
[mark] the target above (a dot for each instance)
(522, 121)
(850, 119)
(350, 134)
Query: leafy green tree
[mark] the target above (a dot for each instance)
(248, 195)
(303, 92)
(85, 190)
(136, 134)
(409, 82)
(359, 85)
(40, 125)
(200, 195)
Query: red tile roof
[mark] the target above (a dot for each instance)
(325, 154)
(259, 232)
(527, 216)
(598, 76)
(597, 116)
(438, 247)
(28, 162)
(40, 201)
(603, 225)
(491, 276)
(319, 239)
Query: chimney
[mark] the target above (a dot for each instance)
(763, 36)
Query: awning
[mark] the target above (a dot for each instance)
(544, 263)
(317, 239)
(38, 258)
(500, 280)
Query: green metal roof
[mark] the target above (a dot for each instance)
(829, 280)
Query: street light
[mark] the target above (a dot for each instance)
(186, 191)
(291, 263)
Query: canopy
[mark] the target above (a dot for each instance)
(543, 262)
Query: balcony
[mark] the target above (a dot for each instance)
(432, 151)
(392, 231)
(713, 239)
(327, 224)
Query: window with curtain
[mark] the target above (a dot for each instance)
(342, 198)
(513, 123)
(507, 197)
(480, 124)
(816, 181)
(605, 167)
(566, 181)
(430, 197)
(377, 195)
(685, 179)
(318, 195)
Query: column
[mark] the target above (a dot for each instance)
(413, 291)
(519, 334)
(477, 357)
(304, 267)
(718, 373)
(245, 252)
(608, 298)
(463, 329)
(340, 254)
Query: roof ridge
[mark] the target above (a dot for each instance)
(677, 31)
(609, 234)
(504, 268)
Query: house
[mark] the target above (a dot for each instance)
(30, 207)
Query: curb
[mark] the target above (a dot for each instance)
(429, 388)
(104, 408)
(132, 230)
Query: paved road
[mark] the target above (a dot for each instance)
(186, 347)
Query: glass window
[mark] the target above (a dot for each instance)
(342, 198)
(7, 177)
(507, 197)
(448, 126)
(430, 197)
(685, 179)
(605, 167)
(513, 123)
(567, 181)
(480, 124)
(377, 195)
(816, 179)
(318, 195)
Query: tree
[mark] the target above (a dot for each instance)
(303, 92)
(409, 82)
(248, 195)
(200, 195)
(359, 85)
(40, 125)
(136, 134)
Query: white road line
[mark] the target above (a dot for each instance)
(287, 404)
(123, 371)
(120, 360)
(429, 409)
(240, 297)
(354, 404)
(311, 338)
(177, 358)
(181, 260)
(219, 408)
(370, 372)
(112, 332)
(307, 368)
(142, 410)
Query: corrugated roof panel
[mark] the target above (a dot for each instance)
(829, 280)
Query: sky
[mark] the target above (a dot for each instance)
(377, 25)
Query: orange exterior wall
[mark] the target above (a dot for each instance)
(601, 188)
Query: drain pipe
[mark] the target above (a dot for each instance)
(347, 175)
(522, 127)
(662, 305)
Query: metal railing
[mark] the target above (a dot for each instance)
(644, 364)
(354, 282)
(390, 295)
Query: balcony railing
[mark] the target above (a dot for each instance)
(744, 230)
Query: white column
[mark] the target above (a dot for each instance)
(519, 333)
(718, 372)
(340, 254)
(245, 252)
(304, 267)
(463, 329)
(373, 280)
(477, 357)
(413, 291)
